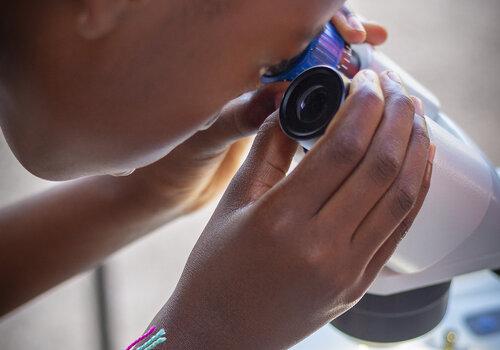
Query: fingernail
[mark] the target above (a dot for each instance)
(369, 74)
(355, 23)
(428, 172)
(366, 79)
(432, 153)
(363, 77)
(366, 76)
(419, 106)
(394, 77)
(426, 126)
(430, 164)
(422, 122)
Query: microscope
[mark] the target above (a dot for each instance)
(458, 228)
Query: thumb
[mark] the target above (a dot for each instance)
(266, 165)
(240, 118)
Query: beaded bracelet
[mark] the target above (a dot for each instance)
(152, 343)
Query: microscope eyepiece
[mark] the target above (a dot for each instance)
(311, 101)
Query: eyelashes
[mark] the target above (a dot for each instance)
(286, 64)
(277, 68)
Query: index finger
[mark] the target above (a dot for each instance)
(340, 149)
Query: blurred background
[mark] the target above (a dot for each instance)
(451, 46)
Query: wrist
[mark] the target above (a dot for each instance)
(188, 329)
(157, 198)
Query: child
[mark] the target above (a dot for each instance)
(95, 88)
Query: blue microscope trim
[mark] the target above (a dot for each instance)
(326, 50)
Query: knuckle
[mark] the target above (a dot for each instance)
(426, 186)
(402, 104)
(279, 226)
(357, 292)
(348, 149)
(386, 166)
(314, 260)
(317, 263)
(405, 200)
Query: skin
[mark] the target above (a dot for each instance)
(107, 86)
(265, 277)
(98, 69)
(113, 211)
(80, 223)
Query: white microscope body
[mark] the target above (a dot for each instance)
(458, 228)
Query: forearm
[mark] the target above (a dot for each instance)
(50, 237)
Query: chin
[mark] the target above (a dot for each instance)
(51, 170)
(43, 162)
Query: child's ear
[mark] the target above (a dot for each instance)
(99, 17)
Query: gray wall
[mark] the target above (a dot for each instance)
(453, 47)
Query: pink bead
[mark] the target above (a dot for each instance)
(144, 336)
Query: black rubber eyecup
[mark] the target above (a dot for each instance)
(311, 102)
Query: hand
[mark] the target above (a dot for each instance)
(199, 169)
(356, 31)
(284, 255)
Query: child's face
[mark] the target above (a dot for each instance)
(73, 106)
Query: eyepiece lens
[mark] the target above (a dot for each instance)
(313, 104)
(311, 101)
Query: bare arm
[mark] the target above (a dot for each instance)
(59, 233)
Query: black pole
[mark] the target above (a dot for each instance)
(102, 308)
